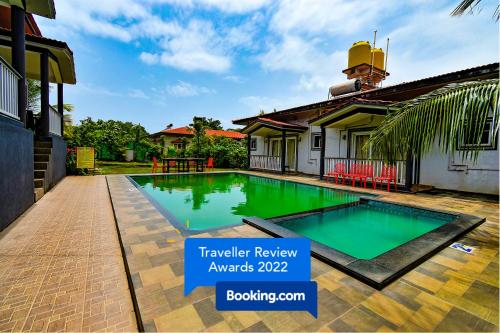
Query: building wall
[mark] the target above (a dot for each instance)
(308, 159)
(16, 170)
(450, 172)
(261, 146)
(57, 163)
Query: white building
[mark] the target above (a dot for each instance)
(344, 122)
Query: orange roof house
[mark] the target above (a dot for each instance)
(174, 136)
(186, 131)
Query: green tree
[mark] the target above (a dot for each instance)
(449, 114)
(112, 138)
(199, 140)
(33, 95)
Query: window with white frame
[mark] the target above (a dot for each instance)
(315, 141)
(486, 138)
(253, 144)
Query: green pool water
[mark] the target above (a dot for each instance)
(366, 231)
(205, 201)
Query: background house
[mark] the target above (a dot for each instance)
(181, 136)
(311, 138)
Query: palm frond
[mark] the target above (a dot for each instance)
(443, 117)
(469, 6)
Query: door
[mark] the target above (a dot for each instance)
(290, 154)
(358, 140)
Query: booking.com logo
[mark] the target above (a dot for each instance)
(267, 296)
(270, 297)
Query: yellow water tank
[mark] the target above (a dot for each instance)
(359, 53)
(378, 58)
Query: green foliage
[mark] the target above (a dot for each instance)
(451, 113)
(199, 141)
(227, 153)
(209, 123)
(33, 95)
(171, 151)
(111, 138)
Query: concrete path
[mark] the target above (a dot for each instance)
(60, 264)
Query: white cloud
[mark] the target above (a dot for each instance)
(228, 6)
(137, 93)
(318, 68)
(185, 89)
(234, 78)
(149, 58)
(330, 16)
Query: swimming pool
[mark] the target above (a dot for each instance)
(372, 240)
(198, 202)
(366, 230)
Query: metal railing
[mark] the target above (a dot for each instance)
(54, 121)
(265, 162)
(9, 81)
(377, 166)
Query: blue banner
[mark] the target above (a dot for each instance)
(270, 296)
(210, 260)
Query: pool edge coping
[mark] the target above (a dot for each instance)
(389, 266)
(187, 232)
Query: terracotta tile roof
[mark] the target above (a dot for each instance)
(210, 132)
(227, 134)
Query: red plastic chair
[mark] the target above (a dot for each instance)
(338, 171)
(356, 172)
(389, 175)
(368, 174)
(155, 165)
(210, 163)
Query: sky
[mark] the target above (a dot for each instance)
(160, 62)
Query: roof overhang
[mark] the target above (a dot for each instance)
(265, 128)
(61, 62)
(43, 8)
(350, 114)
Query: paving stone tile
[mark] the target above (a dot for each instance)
(435, 296)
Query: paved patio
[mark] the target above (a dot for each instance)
(452, 291)
(61, 266)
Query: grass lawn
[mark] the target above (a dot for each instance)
(110, 168)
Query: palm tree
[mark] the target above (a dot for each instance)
(450, 115)
(68, 120)
(469, 6)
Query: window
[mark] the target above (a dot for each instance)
(178, 146)
(486, 138)
(315, 141)
(253, 144)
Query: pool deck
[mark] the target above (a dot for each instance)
(452, 291)
(61, 267)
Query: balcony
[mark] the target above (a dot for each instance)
(9, 79)
(264, 162)
(55, 121)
